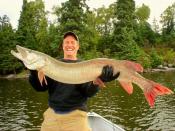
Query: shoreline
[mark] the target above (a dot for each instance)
(159, 70)
(17, 76)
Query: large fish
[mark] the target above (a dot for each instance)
(81, 72)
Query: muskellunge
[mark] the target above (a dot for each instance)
(85, 71)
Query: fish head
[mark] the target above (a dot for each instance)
(31, 59)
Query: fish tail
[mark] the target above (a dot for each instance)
(154, 90)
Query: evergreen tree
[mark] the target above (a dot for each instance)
(124, 35)
(8, 62)
(72, 16)
(32, 28)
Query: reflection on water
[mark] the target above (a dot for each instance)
(21, 108)
(132, 111)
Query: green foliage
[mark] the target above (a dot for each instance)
(128, 47)
(124, 35)
(104, 44)
(104, 19)
(54, 40)
(72, 16)
(169, 56)
(143, 13)
(125, 14)
(155, 26)
(91, 54)
(119, 31)
(32, 28)
(145, 35)
(168, 20)
(8, 63)
(144, 59)
(156, 59)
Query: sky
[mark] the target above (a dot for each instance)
(13, 9)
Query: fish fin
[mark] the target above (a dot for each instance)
(135, 66)
(155, 90)
(45, 80)
(41, 77)
(127, 86)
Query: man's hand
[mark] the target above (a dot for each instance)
(107, 74)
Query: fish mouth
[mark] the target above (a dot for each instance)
(16, 54)
(22, 51)
(22, 54)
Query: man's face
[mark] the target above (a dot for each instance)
(70, 46)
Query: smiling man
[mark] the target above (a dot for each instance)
(70, 46)
(67, 102)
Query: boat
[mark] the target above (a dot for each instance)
(99, 123)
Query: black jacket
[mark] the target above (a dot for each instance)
(62, 96)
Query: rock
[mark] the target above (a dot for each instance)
(165, 67)
(11, 76)
(165, 64)
(170, 65)
(160, 66)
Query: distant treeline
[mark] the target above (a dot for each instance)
(120, 31)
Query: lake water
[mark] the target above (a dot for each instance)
(21, 107)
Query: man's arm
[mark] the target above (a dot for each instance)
(89, 89)
(34, 81)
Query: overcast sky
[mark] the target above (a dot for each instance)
(12, 8)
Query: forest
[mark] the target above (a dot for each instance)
(120, 31)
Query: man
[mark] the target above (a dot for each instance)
(67, 102)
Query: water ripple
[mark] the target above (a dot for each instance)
(21, 108)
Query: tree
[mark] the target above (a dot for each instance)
(99, 23)
(124, 35)
(143, 13)
(168, 26)
(104, 18)
(145, 34)
(8, 63)
(168, 20)
(32, 28)
(72, 16)
(155, 26)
